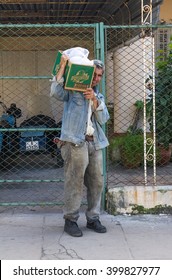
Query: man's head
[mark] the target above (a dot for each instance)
(99, 64)
(98, 73)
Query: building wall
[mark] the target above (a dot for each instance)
(166, 11)
(31, 95)
(129, 78)
(31, 56)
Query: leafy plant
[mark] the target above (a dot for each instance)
(130, 147)
(163, 99)
(132, 150)
(129, 150)
(133, 128)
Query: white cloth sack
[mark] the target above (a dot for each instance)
(78, 55)
(90, 129)
(77, 51)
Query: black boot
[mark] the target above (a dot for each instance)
(72, 228)
(96, 226)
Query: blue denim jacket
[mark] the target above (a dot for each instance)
(74, 120)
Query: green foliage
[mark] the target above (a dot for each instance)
(129, 150)
(132, 150)
(131, 147)
(139, 104)
(163, 99)
(158, 209)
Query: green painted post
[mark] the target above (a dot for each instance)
(99, 54)
(103, 90)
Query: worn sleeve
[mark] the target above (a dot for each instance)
(57, 90)
(101, 113)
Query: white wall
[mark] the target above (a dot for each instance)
(128, 83)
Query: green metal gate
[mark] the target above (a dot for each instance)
(34, 176)
(31, 171)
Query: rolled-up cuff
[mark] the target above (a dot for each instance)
(60, 82)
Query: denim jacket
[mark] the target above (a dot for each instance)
(74, 120)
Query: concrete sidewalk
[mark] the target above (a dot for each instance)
(40, 236)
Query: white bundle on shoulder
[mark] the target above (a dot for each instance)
(78, 55)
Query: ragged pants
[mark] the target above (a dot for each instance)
(82, 166)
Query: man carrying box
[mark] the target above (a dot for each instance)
(82, 140)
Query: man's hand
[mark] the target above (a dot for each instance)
(90, 95)
(63, 62)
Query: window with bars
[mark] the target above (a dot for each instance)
(163, 38)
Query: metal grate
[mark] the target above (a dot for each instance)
(34, 175)
(126, 69)
(31, 167)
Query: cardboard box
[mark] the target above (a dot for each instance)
(57, 63)
(77, 77)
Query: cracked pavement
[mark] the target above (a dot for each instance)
(36, 235)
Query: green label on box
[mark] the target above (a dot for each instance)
(79, 77)
(57, 63)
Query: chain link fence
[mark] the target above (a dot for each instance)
(31, 167)
(139, 97)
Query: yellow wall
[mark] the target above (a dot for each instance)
(32, 56)
(166, 11)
